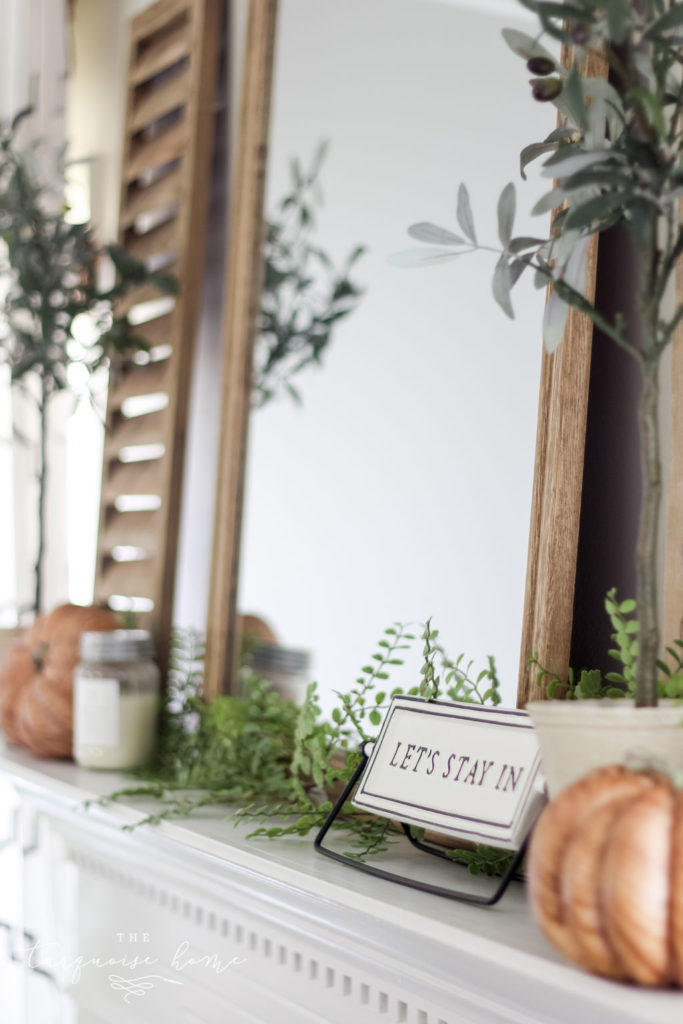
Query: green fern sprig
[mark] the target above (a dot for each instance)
(281, 765)
(353, 705)
(591, 684)
(429, 687)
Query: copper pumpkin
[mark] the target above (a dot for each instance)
(36, 679)
(605, 875)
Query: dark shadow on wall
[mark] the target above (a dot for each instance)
(612, 477)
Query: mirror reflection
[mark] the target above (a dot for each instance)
(396, 484)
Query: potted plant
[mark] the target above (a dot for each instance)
(51, 272)
(616, 159)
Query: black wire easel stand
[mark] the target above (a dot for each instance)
(435, 851)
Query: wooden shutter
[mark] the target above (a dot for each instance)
(168, 134)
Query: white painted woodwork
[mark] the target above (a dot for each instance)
(315, 942)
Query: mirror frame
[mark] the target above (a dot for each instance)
(244, 275)
(563, 403)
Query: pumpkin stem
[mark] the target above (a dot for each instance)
(38, 656)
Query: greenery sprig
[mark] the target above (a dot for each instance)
(282, 766)
(304, 295)
(592, 684)
(50, 269)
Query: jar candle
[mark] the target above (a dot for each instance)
(116, 700)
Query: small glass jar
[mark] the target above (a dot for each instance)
(116, 700)
(285, 669)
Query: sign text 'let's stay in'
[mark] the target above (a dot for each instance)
(469, 771)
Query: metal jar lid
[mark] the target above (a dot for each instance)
(282, 659)
(117, 645)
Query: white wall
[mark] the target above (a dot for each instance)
(402, 488)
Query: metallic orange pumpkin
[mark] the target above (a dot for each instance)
(605, 875)
(36, 680)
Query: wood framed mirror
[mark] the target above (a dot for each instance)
(538, 616)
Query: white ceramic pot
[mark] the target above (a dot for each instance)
(576, 736)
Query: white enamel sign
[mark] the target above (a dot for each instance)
(470, 771)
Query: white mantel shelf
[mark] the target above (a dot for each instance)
(437, 961)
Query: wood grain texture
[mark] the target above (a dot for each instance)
(243, 296)
(145, 156)
(159, 20)
(139, 529)
(166, 49)
(140, 380)
(157, 102)
(672, 618)
(556, 497)
(137, 430)
(164, 193)
(145, 293)
(162, 239)
(168, 31)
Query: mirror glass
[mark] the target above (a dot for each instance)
(399, 486)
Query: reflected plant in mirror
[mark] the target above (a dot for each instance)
(304, 295)
(616, 160)
(59, 317)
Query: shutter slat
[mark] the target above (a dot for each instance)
(152, 24)
(133, 478)
(156, 99)
(130, 579)
(157, 331)
(146, 293)
(149, 429)
(136, 529)
(141, 380)
(162, 194)
(163, 239)
(169, 48)
(148, 155)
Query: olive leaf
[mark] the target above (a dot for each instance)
(669, 22)
(573, 97)
(554, 321)
(422, 257)
(549, 145)
(617, 19)
(464, 214)
(427, 232)
(561, 165)
(574, 273)
(524, 46)
(506, 213)
(501, 285)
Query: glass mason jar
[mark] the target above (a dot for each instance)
(285, 669)
(116, 699)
